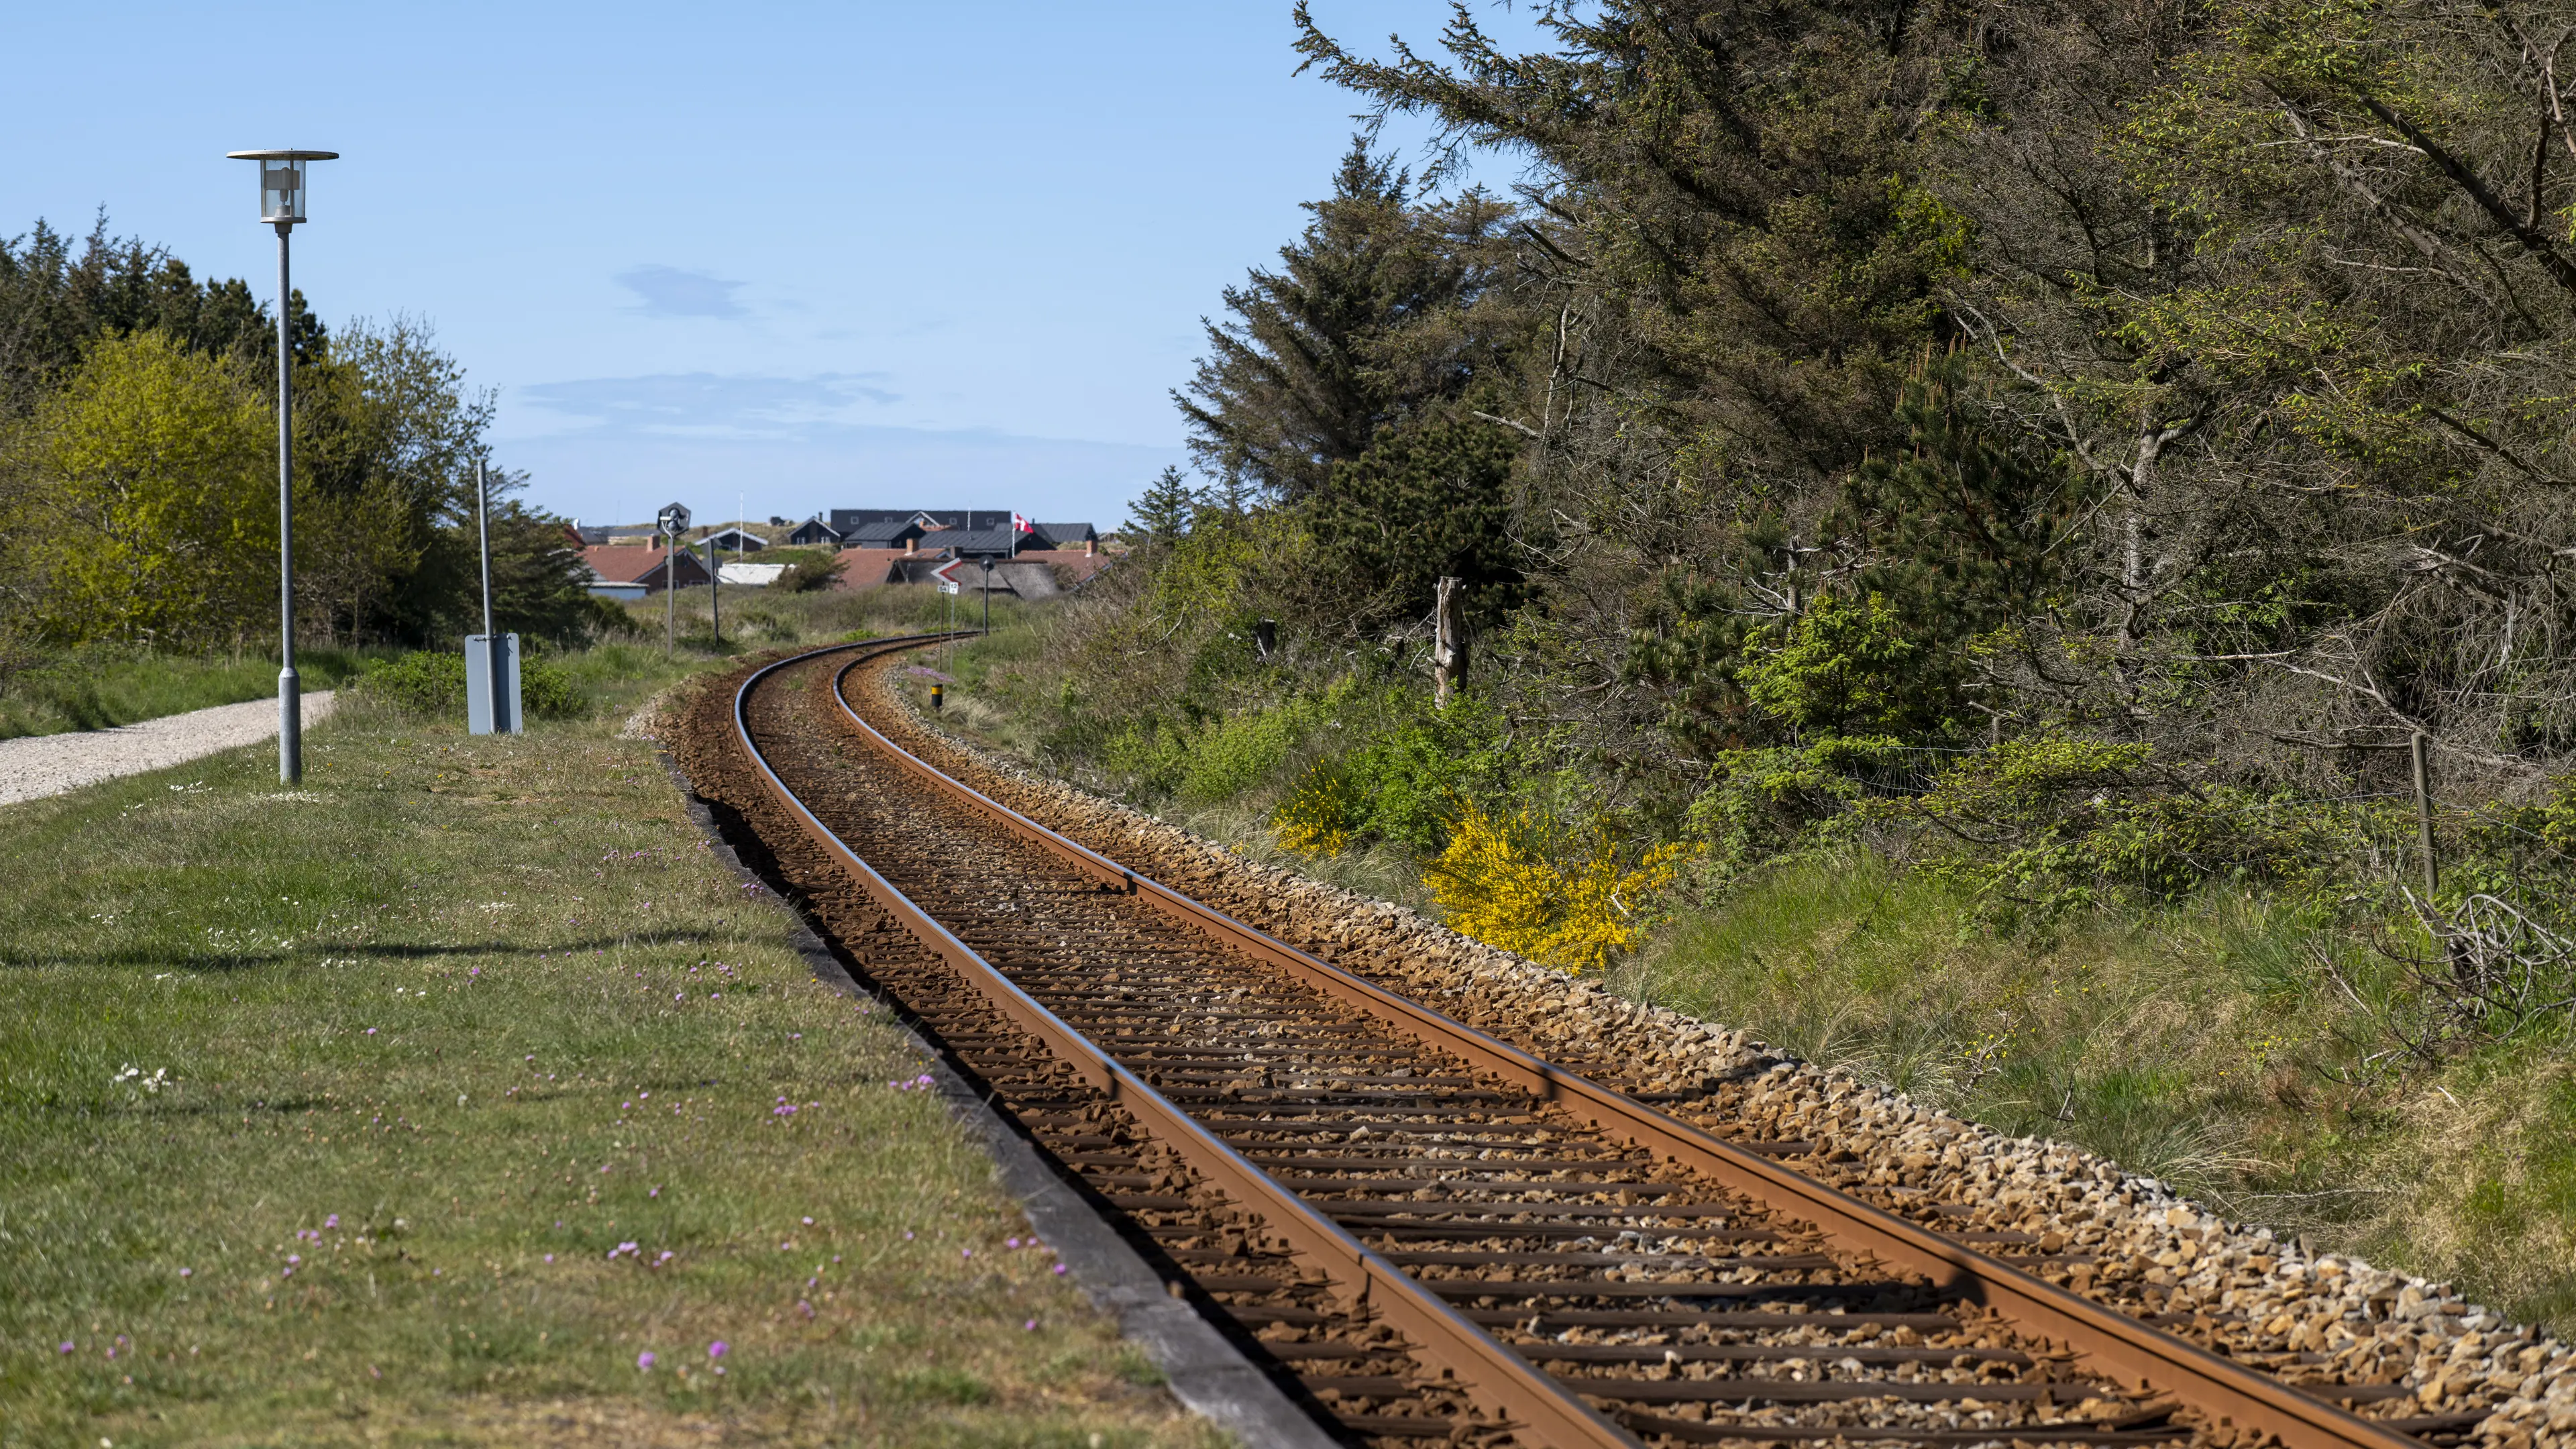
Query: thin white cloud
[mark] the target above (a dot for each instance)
(675, 292)
(709, 404)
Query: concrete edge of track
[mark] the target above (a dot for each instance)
(1202, 1367)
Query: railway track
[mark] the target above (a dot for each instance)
(1424, 1232)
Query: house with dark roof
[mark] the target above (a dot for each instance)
(736, 539)
(999, 542)
(900, 533)
(845, 519)
(1063, 535)
(815, 533)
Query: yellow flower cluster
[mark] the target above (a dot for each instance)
(1495, 883)
(1316, 817)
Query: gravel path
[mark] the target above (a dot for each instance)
(42, 765)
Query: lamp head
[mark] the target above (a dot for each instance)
(281, 181)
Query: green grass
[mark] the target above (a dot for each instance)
(2212, 1044)
(429, 993)
(94, 692)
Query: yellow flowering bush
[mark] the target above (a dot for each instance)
(1317, 817)
(1497, 882)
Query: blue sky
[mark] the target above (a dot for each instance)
(804, 255)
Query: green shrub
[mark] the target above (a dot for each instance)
(546, 692)
(1233, 755)
(805, 576)
(1760, 804)
(422, 682)
(1416, 776)
(1842, 666)
(2052, 822)
(428, 682)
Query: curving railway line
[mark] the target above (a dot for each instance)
(1423, 1232)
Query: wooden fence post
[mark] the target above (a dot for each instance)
(2421, 750)
(1449, 641)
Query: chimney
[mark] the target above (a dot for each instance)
(911, 545)
(1090, 547)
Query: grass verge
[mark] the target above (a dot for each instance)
(2227, 1044)
(88, 693)
(422, 1103)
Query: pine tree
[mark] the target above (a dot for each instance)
(1166, 509)
(1963, 523)
(1314, 358)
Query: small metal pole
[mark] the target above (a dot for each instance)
(715, 567)
(670, 594)
(498, 681)
(483, 537)
(290, 689)
(2421, 749)
(988, 595)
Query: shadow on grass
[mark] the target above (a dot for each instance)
(230, 961)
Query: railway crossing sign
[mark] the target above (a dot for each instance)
(673, 520)
(946, 574)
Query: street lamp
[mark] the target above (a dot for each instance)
(281, 202)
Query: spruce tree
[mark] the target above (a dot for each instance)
(1314, 358)
(1164, 511)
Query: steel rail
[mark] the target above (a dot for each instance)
(2230, 1394)
(1516, 1392)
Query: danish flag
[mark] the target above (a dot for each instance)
(1022, 524)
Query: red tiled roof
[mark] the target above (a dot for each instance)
(627, 563)
(865, 568)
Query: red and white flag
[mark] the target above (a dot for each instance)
(1022, 524)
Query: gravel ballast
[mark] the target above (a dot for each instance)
(40, 765)
(2122, 1240)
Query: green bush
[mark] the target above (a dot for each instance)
(427, 682)
(421, 682)
(1416, 775)
(546, 692)
(1765, 803)
(805, 576)
(2051, 822)
(1233, 755)
(1843, 667)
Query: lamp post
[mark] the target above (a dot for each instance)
(281, 203)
